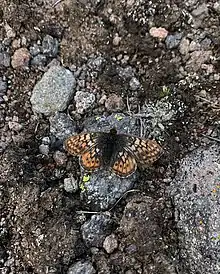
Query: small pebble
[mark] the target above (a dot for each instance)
(70, 185)
(9, 31)
(44, 149)
(84, 101)
(46, 140)
(160, 33)
(172, 41)
(114, 103)
(60, 158)
(4, 59)
(21, 58)
(50, 46)
(110, 243)
(116, 40)
(39, 60)
(134, 83)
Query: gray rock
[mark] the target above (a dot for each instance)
(197, 59)
(3, 86)
(39, 60)
(4, 59)
(158, 115)
(173, 41)
(54, 91)
(46, 140)
(195, 194)
(96, 229)
(134, 83)
(184, 46)
(84, 101)
(50, 46)
(102, 189)
(60, 158)
(70, 184)
(201, 10)
(110, 243)
(81, 268)
(216, 7)
(61, 126)
(125, 73)
(35, 50)
(123, 124)
(206, 44)
(44, 149)
(97, 64)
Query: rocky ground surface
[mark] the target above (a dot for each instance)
(147, 68)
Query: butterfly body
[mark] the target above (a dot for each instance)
(120, 152)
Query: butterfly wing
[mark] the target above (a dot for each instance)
(123, 164)
(86, 146)
(91, 159)
(145, 151)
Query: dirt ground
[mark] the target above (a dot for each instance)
(41, 227)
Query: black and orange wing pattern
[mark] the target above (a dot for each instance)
(123, 164)
(85, 146)
(145, 151)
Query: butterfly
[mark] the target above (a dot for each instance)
(120, 152)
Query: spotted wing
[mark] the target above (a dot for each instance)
(123, 164)
(85, 146)
(91, 159)
(146, 152)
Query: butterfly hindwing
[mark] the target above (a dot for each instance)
(91, 159)
(123, 164)
(145, 151)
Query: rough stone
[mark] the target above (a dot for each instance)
(173, 41)
(160, 33)
(84, 101)
(195, 193)
(184, 46)
(39, 60)
(61, 126)
(60, 158)
(4, 59)
(134, 83)
(54, 91)
(197, 58)
(50, 46)
(70, 184)
(21, 58)
(81, 268)
(35, 50)
(96, 229)
(110, 243)
(44, 149)
(114, 103)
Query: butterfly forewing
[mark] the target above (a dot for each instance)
(145, 151)
(78, 144)
(123, 164)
